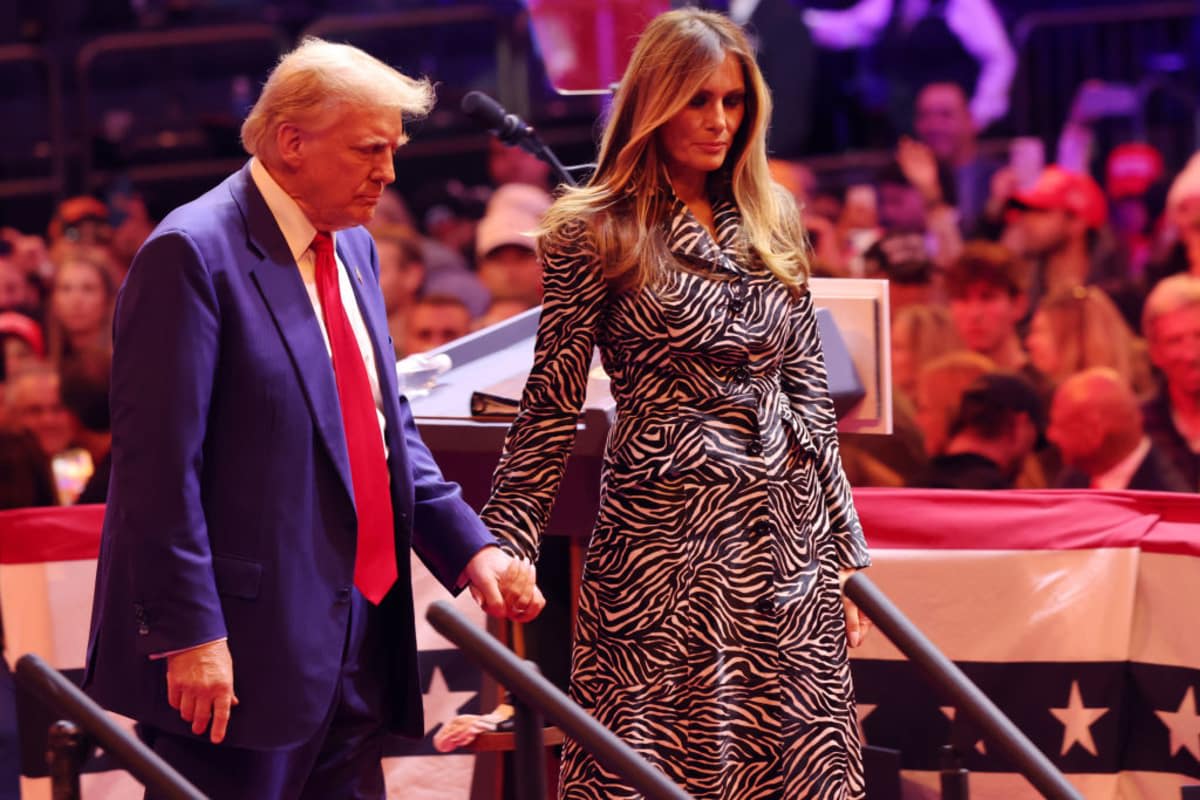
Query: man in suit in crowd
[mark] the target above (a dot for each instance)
(1097, 426)
(268, 480)
(1171, 325)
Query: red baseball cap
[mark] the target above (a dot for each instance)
(12, 323)
(1132, 169)
(1061, 189)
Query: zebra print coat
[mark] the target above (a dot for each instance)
(710, 631)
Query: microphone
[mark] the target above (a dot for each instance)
(509, 128)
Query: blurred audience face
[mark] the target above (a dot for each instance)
(940, 387)
(943, 121)
(400, 274)
(696, 140)
(1044, 232)
(499, 311)
(434, 322)
(901, 208)
(1040, 345)
(1175, 348)
(1094, 420)
(512, 272)
(513, 165)
(985, 315)
(80, 299)
(34, 403)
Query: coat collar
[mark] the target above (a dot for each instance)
(687, 238)
(278, 280)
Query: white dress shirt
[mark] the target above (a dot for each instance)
(299, 233)
(1118, 476)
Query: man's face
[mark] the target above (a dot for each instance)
(341, 170)
(399, 276)
(1175, 348)
(512, 272)
(943, 121)
(1044, 232)
(984, 316)
(1073, 431)
(431, 326)
(37, 407)
(901, 208)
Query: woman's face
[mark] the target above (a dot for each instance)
(80, 301)
(1043, 351)
(697, 139)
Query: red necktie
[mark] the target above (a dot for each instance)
(375, 555)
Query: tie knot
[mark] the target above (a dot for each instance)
(322, 243)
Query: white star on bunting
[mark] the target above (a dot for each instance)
(1184, 725)
(441, 704)
(1077, 722)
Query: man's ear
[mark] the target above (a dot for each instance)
(289, 143)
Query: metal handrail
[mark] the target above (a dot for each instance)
(155, 40)
(542, 696)
(34, 675)
(1028, 23)
(958, 688)
(56, 182)
(344, 24)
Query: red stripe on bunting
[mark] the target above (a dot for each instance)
(1029, 520)
(33, 535)
(892, 518)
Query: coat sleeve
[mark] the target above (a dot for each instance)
(165, 344)
(530, 471)
(807, 387)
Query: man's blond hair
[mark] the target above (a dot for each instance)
(311, 85)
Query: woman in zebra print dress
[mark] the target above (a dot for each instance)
(712, 631)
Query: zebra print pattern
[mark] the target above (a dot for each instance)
(710, 631)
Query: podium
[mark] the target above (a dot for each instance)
(853, 319)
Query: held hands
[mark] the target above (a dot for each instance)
(504, 586)
(857, 624)
(200, 686)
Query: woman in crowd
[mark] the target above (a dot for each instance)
(81, 305)
(1075, 329)
(712, 630)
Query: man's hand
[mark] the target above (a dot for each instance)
(200, 686)
(504, 586)
(857, 624)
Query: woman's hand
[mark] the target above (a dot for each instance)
(857, 624)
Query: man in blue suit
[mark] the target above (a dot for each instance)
(267, 478)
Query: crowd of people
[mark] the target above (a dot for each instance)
(1045, 330)
(467, 263)
(997, 265)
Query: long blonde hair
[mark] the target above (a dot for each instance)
(1089, 331)
(629, 197)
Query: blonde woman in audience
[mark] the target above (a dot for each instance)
(80, 307)
(940, 386)
(1079, 328)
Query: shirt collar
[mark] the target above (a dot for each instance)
(688, 238)
(295, 226)
(1120, 474)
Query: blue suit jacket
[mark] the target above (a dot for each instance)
(230, 509)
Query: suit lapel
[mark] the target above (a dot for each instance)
(278, 279)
